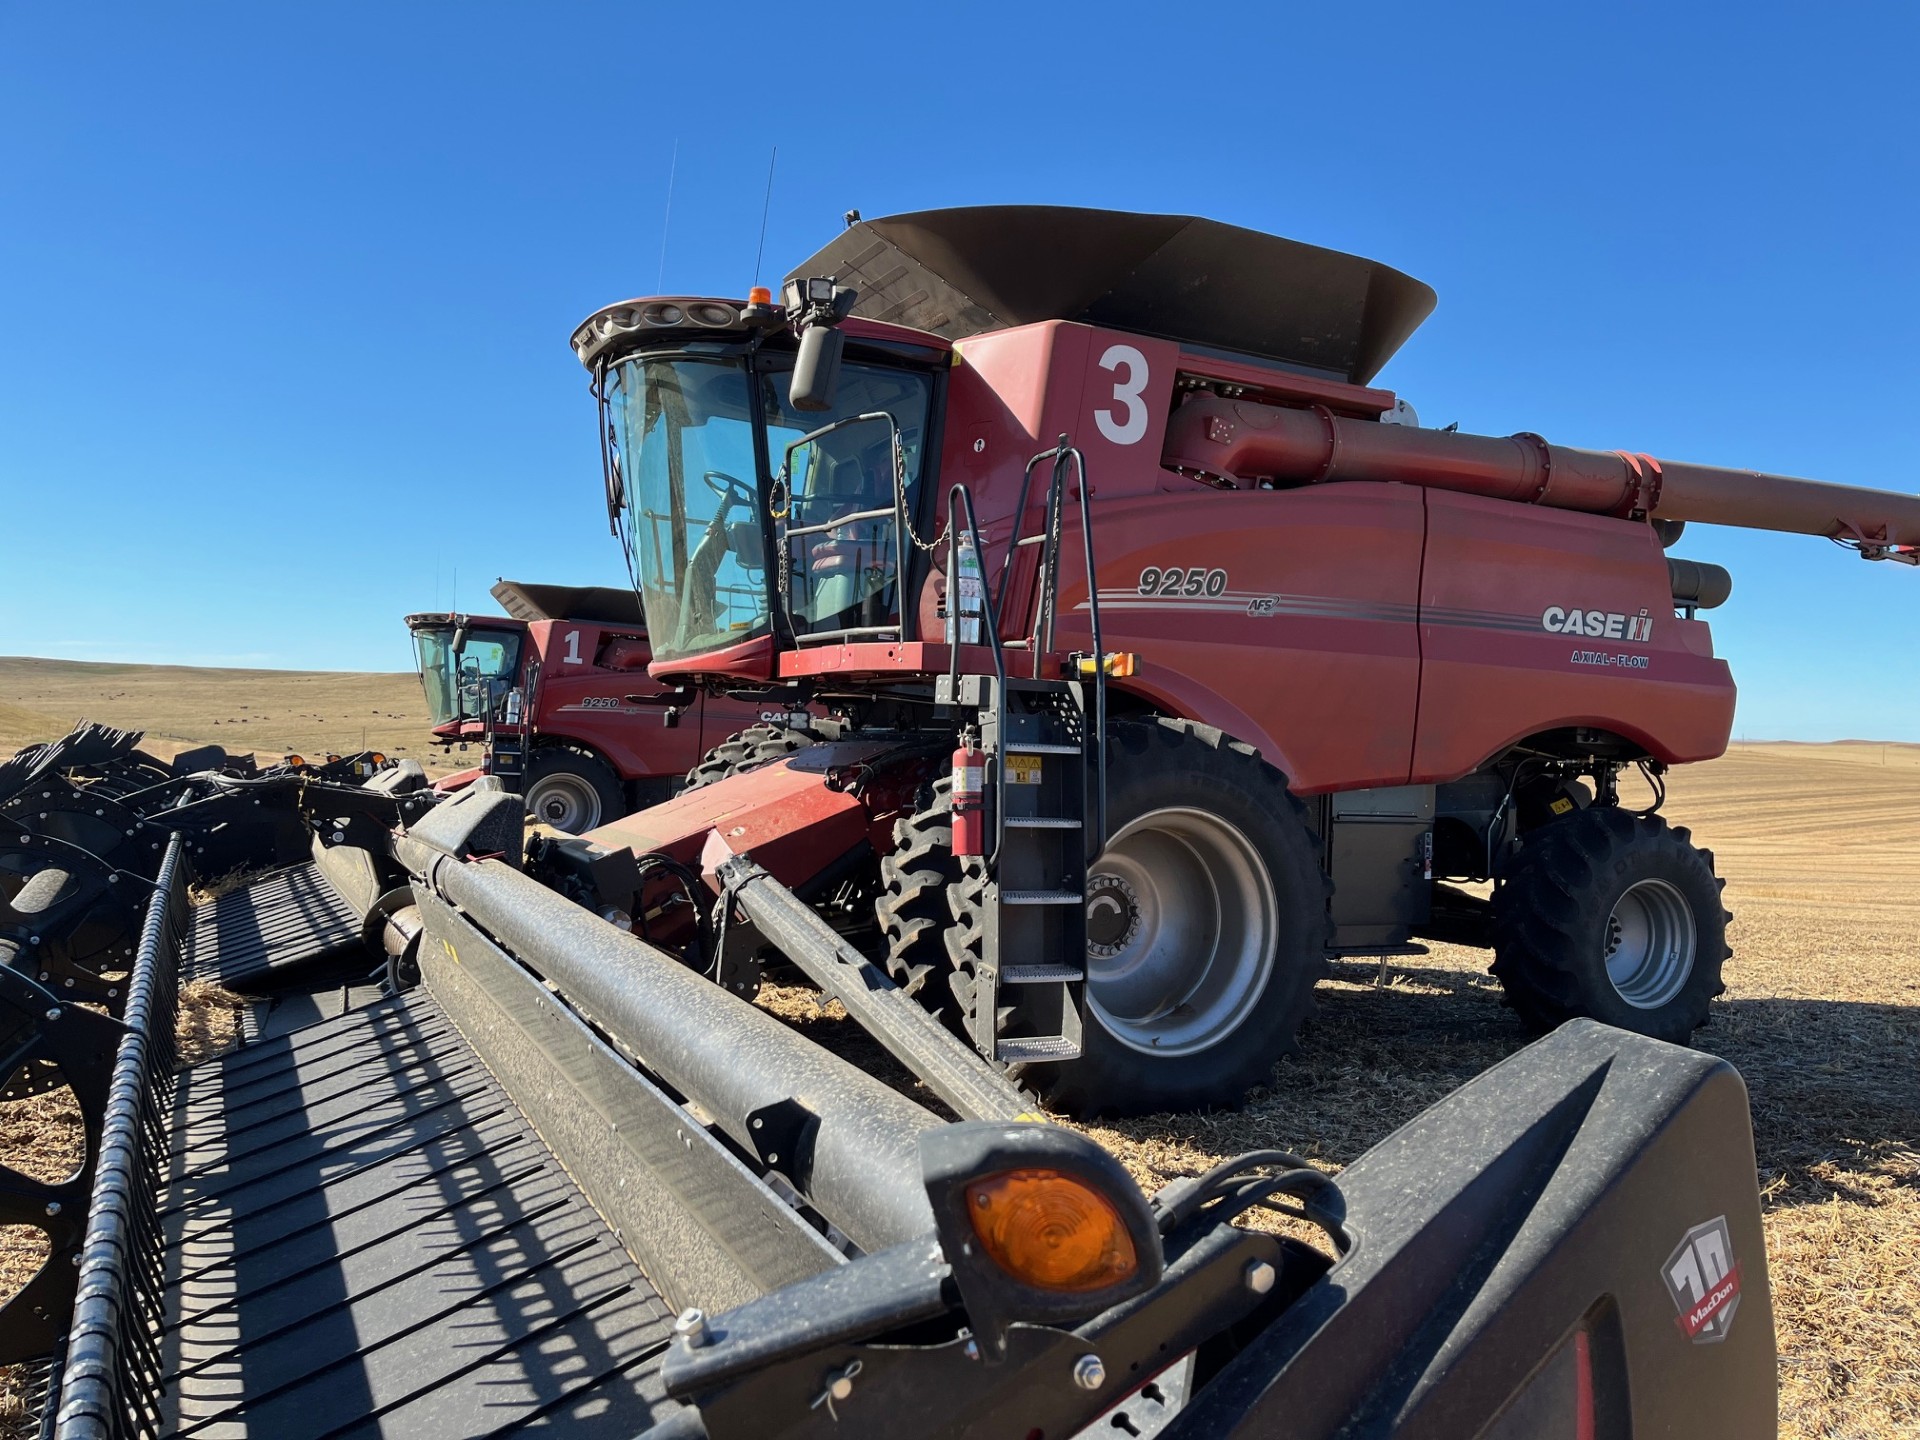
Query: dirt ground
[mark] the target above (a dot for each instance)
(1821, 847)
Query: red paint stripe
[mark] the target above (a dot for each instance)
(1582, 1387)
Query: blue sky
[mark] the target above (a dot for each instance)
(285, 290)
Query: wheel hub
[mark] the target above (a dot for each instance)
(1182, 921)
(1651, 942)
(1113, 916)
(564, 802)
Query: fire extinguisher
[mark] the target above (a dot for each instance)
(969, 800)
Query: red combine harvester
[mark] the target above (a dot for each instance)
(1163, 656)
(558, 696)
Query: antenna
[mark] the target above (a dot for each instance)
(765, 206)
(666, 220)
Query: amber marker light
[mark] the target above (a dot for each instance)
(1051, 1231)
(759, 295)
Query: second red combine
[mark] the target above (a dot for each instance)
(557, 696)
(1156, 656)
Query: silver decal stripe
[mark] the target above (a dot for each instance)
(1266, 605)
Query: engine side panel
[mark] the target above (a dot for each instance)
(1286, 618)
(1535, 620)
(587, 671)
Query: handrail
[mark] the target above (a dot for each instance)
(839, 522)
(989, 620)
(1046, 595)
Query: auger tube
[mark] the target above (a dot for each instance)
(861, 1165)
(1248, 441)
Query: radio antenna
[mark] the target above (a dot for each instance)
(765, 206)
(666, 221)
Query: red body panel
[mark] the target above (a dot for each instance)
(1494, 673)
(459, 779)
(579, 696)
(578, 675)
(1360, 633)
(785, 816)
(1308, 650)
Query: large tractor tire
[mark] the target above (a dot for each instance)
(1614, 916)
(751, 748)
(1207, 927)
(572, 791)
(913, 908)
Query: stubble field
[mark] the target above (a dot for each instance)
(1821, 847)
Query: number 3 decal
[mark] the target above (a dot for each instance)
(1126, 391)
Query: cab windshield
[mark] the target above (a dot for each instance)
(682, 426)
(466, 686)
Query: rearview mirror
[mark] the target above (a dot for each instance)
(816, 370)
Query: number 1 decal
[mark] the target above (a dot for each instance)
(573, 647)
(1126, 392)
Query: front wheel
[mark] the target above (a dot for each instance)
(1207, 927)
(1613, 916)
(749, 749)
(572, 791)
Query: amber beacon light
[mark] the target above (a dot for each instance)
(1039, 1225)
(1051, 1231)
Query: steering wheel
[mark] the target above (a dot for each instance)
(729, 488)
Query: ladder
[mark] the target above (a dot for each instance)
(506, 750)
(1046, 802)
(1031, 981)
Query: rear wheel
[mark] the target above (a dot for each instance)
(1614, 916)
(572, 791)
(1207, 926)
(751, 748)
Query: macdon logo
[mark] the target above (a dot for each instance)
(1601, 624)
(1704, 1280)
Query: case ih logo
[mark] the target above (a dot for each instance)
(1599, 624)
(1705, 1282)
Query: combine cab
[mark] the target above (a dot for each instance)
(556, 693)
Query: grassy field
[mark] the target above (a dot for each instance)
(1821, 847)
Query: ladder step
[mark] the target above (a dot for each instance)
(1039, 974)
(1035, 1047)
(1038, 747)
(1041, 897)
(1041, 822)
